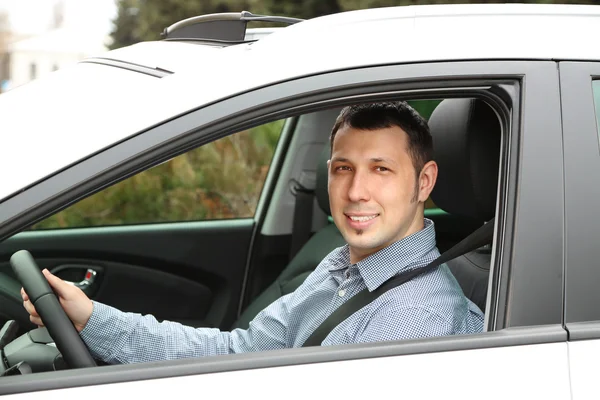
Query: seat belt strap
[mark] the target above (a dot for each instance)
(303, 211)
(482, 236)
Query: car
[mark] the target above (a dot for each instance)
(176, 178)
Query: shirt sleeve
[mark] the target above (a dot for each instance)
(404, 323)
(118, 337)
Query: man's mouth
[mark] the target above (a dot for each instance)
(362, 218)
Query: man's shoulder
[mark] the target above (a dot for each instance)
(436, 292)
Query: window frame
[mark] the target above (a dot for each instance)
(582, 159)
(517, 304)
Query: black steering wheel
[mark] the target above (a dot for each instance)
(60, 327)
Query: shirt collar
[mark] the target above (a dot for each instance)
(403, 255)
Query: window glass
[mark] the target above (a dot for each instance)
(221, 180)
(596, 90)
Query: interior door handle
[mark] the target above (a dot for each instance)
(87, 281)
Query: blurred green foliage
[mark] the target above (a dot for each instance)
(219, 180)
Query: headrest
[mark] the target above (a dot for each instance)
(466, 142)
(321, 186)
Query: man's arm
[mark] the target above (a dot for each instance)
(118, 337)
(404, 323)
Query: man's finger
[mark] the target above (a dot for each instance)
(57, 284)
(30, 308)
(24, 295)
(36, 320)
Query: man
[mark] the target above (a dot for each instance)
(380, 175)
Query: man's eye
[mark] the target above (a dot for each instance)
(342, 168)
(381, 169)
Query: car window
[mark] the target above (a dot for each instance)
(220, 180)
(596, 91)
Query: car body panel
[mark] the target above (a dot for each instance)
(583, 365)
(31, 149)
(534, 371)
(582, 192)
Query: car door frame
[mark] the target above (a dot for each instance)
(529, 277)
(582, 190)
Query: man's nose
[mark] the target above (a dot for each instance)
(359, 190)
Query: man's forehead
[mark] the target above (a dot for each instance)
(383, 143)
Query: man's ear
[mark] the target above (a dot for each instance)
(427, 180)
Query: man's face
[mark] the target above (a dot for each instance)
(374, 194)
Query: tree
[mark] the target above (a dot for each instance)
(141, 20)
(297, 8)
(124, 32)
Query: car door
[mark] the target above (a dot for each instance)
(523, 354)
(580, 87)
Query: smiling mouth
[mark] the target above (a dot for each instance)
(362, 218)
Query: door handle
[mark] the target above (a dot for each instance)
(87, 281)
(70, 273)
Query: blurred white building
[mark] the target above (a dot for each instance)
(6, 36)
(34, 57)
(71, 37)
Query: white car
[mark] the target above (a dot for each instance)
(178, 125)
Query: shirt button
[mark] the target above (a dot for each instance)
(341, 293)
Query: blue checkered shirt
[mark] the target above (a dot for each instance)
(432, 304)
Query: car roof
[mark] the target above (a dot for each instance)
(423, 33)
(77, 111)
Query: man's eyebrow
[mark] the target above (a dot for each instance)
(383, 159)
(339, 159)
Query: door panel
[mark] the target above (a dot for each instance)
(583, 363)
(187, 272)
(143, 290)
(582, 191)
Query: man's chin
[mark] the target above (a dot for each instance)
(363, 244)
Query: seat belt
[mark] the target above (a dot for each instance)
(303, 211)
(482, 236)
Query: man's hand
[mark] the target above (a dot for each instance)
(72, 299)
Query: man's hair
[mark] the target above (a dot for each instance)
(372, 116)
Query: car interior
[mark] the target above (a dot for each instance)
(160, 268)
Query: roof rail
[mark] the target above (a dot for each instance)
(226, 27)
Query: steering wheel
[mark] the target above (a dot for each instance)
(60, 327)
